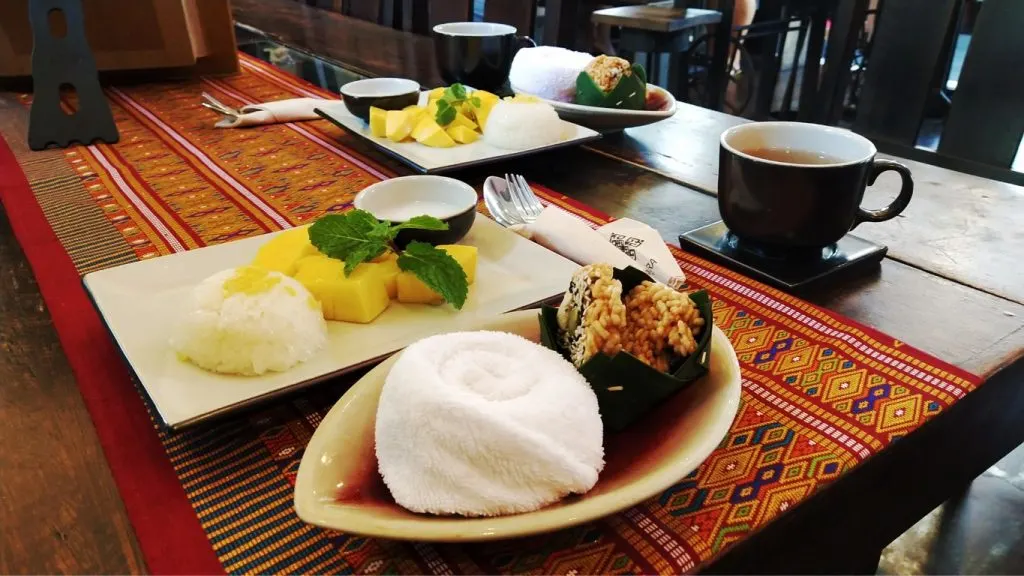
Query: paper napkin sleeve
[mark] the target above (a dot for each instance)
(293, 110)
(622, 244)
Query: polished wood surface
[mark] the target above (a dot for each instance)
(958, 226)
(61, 511)
(664, 175)
(656, 17)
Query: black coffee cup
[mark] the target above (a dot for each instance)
(477, 54)
(796, 185)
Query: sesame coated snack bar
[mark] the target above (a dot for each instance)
(653, 322)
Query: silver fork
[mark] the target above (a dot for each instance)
(214, 104)
(528, 206)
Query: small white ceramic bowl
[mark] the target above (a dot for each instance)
(399, 199)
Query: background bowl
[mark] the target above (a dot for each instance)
(399, 199)
(385, 93)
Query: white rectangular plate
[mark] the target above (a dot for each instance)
(430, 160)
(140, 301)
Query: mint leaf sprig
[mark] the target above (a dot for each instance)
(357, 237)
(448, 105)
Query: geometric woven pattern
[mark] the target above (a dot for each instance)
(820, 392)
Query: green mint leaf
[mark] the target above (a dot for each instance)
(443, 105)
(458, 91)
(355, 237)
(475, 101)
(359, 255)
(438, 270)
(420, 223)
(446, 116)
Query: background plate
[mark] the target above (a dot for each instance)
(613, 119)
(429, 160)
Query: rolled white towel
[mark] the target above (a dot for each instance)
(548, 72)
(484, 424)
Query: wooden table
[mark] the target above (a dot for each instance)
(951, 287)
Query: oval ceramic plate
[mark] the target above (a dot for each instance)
(338, 486)
(613, 119)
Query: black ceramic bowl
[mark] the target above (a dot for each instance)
(385, 93)
(399, 199)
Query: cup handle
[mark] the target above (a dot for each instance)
(525, 42)
(897, 205)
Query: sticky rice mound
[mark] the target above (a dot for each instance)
(520, 124)
(249, 321)
(485, 424)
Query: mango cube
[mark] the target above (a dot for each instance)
(461, 120)
(486, 99)
(485, 96)
(462, 135)
(378, 121)
(399, 124)
(412, 290)
(484, 111)
(465, 256)
(435, 94)
(282, 252)
(416, 112)
(388, 271)
(360, 297)
(430, 133)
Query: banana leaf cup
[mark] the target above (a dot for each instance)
(629, 93)
(626, 388)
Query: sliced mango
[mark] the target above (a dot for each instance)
(399, 125)
(484, 111)
(462, 135)
(378, 121)
(411, 290)
(461, 120)
(485, 96)
(282, 252)
(387, 255)
(465, 256)
(487, 100)
(360, 297)
(435, 94)
(416, 112)
(429, 133)
(388, 270)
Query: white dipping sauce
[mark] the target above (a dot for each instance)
(402, 212)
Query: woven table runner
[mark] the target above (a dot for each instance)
(821, 393)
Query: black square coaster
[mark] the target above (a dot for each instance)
(783, 268)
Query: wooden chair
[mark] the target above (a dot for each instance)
(383, 12)
(519, 13)
(425, 14)
(908, 63)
